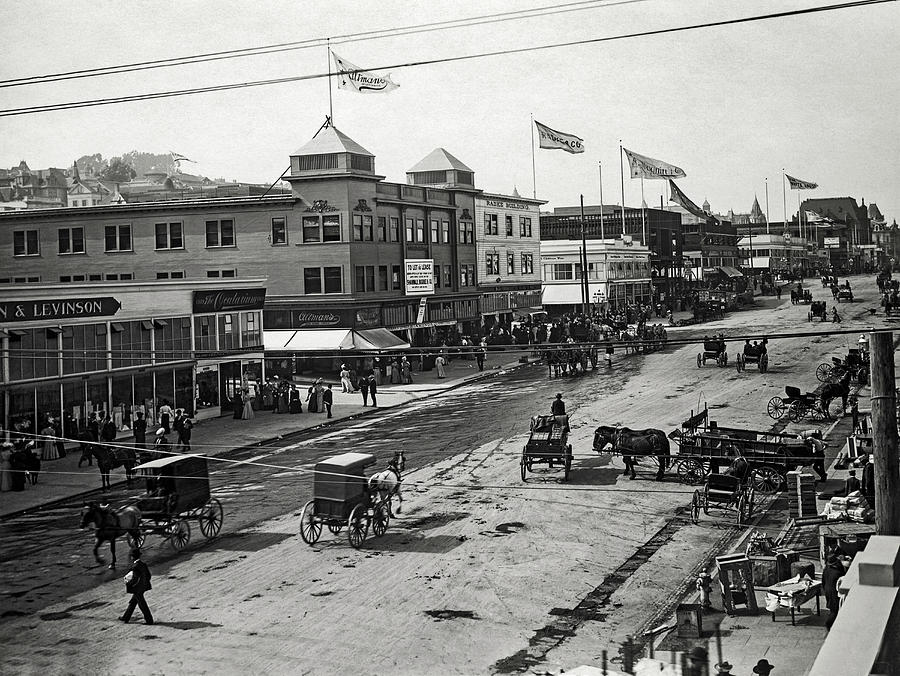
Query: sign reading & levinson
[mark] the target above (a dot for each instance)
(230, 299)
(419, 276)
(68, 308)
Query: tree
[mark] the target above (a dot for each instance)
(118, 170)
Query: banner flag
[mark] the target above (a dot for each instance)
(813, 217)
(552, 139)
(646, 167)
(685, 202)
(797, 184)
(362, 81)
(178, 157)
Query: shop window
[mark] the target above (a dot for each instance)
(279, 232)
(84, 348)
(26, 243)
(205, 333)
(33, 353)
(251, 329)
(71, 241)
(130, 343)
(228, 332)
(172, 340)
(117, 238)
(169, 236)
(220, 233)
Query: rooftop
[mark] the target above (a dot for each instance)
(331, 140)
(439, 160)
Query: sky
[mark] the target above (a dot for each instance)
(814, 95)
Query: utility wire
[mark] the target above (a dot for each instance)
(29, 110)
(318, 42)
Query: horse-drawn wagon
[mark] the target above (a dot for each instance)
(818, 310)
(548, 443)
(727, 492)
(856, 362)
(714, 350)
(753, 354)
(704, 447)
(344, 496)
(648, 445)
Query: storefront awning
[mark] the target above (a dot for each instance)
(561, 294)
(729, 271)
(331, 340)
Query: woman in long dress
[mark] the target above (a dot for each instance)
(48, 443)
(295, 405)
(6, 451)
(395, 373)
(320, 396)
(248, 405)
(282, 405)
(312, 400)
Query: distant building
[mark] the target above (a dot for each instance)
(38, 189)
(848, 229)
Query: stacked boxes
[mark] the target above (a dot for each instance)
(801, 489)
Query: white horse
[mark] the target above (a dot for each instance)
(387, 483)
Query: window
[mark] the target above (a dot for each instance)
(445, 232)
(251, 329)
(221, 273)
(169, 236)
(527, 264)
(396, 278)
(334, 281)
(178, 274)
(382, 278)
(26, 243)
(420, 229)
(467, 275)
(321, 228)
(510, 263)
(490, 224)
(524, 227)
(466, 232)
(509, 226)
(448, 276)
(220, 233)
(367, 229)
(362, 228)
(359, 278)
(410, 230)
(71, 240)
(118, 238)
(279, 232)
(312, 280)
(395, 229)
(492, 264)
(311, 229)
(96, 277)
(112, 277)
(436, 271)
(435, 232)
(228, 332)
(382, 229)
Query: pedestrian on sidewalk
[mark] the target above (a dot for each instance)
(93, 427)
(328, 399)
(346, 385)
(184, 436)
(834, 571)
(247, 413)
(137, 583)
(294, 403)
(237, 404)
(395, 372)
(58, 433)
(868, 481)
(763, 668)
(161, 445)
(440, 363)
(373, 387)
(139, 428)
(6, 451)
(480, 355)
(165, 416)
(406, 371)
(364, 388)
(48, 443)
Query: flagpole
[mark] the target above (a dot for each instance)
(585, 289)
(533, 172)
(330, 106)
(600, 169)
(605, 287)
(784, 202)
(622, 176)
(643, 216)
(767, 205)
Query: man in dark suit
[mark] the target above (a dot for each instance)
(834, 571)
(137, 585)
(328, 399)
(373, 387)
(868, 481)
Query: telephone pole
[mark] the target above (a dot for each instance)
(884, 430)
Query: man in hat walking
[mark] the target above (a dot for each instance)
(763, 668)
(137, 583)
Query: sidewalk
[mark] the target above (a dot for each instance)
(61, 479)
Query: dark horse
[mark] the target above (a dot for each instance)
(387, 483)
(630, 443)
(109, 458)
(111, 524)
(832, 390)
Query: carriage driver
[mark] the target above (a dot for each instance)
(558, 407)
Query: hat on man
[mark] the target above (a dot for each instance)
(852, 472)
(763, 667)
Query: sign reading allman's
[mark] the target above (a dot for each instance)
(232, 299)
(69, 308)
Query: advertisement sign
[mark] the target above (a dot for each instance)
(420, 317)
(308, 318)
(419, 276)
(832, 242)
(64, 308)
(228, 300)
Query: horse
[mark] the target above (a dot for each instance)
(386, 484)
(109, 459)
(635, 443)
(111, 524)
(832, 390)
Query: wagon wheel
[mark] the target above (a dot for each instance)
(764, 363)
(766, 480)
(798, 411)
(335, 527)
(179, 534)
(310, 526)
(704, 500)
(823, 372)
(700, 360)
(210, 519)
(776, 407)
(357, 526)
(568, 463)
(751, 500)
(693, 471)
(741, 509)
(380, 519)
(695, 507)
(724, 359)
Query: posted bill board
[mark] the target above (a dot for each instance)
(419, 276)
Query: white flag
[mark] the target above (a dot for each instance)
(646, 167)
(552, 139)
(362, 81)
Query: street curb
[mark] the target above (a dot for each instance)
(263, 442)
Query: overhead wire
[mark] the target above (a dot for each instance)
(29, 110)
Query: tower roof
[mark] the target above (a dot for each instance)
(331, 140)
(439, 160)
(755, 210)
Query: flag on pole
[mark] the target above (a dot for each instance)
(178, 157)
(813, 217)
(682, 200)
(552, 139)
(646, 167)
(362, 81)
(797, 184)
